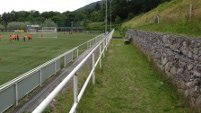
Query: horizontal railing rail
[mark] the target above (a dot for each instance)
(102, 45)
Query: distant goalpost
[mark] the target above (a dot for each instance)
(48, 32)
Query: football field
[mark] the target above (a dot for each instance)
(18, 57)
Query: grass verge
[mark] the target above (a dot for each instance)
(128, 83)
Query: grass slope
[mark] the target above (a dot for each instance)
(20, 57)
(174, 18)
(126, 84)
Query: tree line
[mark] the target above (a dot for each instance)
(120, 10)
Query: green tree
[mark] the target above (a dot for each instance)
(48, 23)
(117, 20)
(2, 27)
(59, 19)
(17, 25)
(97, 6)
(130, 15)
(21, 16)
(49, 14)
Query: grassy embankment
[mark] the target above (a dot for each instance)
(174, 18)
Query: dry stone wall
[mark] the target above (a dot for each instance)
(178, 56)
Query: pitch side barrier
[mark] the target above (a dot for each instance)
(13, 91)
(102, 46)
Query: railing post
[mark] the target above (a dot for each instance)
(77, 52)
(106, 43)
(75, 89)
(55, 67)
(16, 94)
(93, 64)
(72, 55)
(40, 77)
(64, 60)
(100, 50)
(104, 49)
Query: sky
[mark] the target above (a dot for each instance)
(43, 5)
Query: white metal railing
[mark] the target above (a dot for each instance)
(6, 90)
(78, 95)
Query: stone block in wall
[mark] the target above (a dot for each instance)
(168, 66)
(164, 39)
(176, 47)
(184, 50)
(198, 68)
(182, 64)
(190, 66)
(186, 43)
(199, 51)
(199, 59)
(189, 92)
(180, 71)
(186, 76)
(173, 70)
(192, 84)
(170, 52)
(164, 61)
(196, 73)
(195, 58)
(181, 84)
(195, 50)
(190, 55)
(157, 55)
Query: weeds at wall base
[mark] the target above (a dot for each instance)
(160, 74)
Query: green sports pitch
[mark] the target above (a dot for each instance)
(18, 57)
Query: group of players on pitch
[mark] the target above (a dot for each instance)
(16, 37)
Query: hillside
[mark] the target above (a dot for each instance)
(90, 6)
(174, 17)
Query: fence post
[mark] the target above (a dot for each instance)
(75, 89)
(157, 19)
(93, 64)
(190, 12)
(16, 94)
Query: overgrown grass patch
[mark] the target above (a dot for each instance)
(117, 33)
